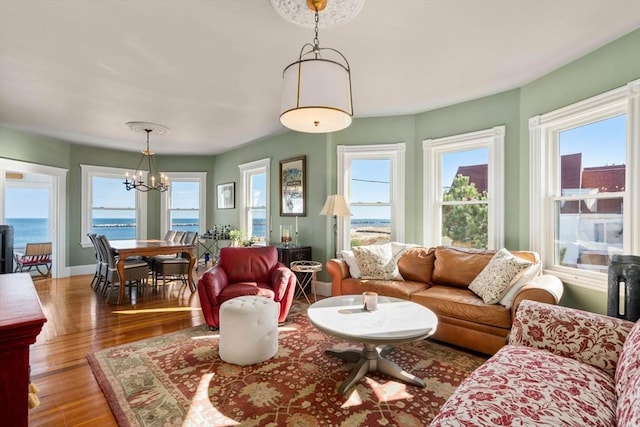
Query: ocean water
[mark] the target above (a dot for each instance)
(33, 230)
(29, 230)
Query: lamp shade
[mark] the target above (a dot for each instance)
(335, 206)
(316, 97)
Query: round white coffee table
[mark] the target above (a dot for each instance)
(395, 321)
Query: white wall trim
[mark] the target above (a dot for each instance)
(247, 169)
(201, 177)
(57, 210)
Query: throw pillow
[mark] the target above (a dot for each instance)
(376, 262)
(398, 249)
(350, 259)
(519, 282)
(494, 280)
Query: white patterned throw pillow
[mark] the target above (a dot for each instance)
(494, 280)
(376, 262)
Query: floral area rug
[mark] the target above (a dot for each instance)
(178, 379)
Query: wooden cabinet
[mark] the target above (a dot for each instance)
(289, 254)
(21, 320)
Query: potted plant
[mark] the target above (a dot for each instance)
(236, 237)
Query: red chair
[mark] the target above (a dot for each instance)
(246, 271)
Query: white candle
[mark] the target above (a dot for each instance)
(296, 225)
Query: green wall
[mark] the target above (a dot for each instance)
(606, 68)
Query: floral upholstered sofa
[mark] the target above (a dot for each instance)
(562, 367)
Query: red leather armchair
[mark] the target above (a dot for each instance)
(245, 271)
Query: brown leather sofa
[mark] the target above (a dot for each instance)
(438, 278)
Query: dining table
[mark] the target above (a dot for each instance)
(148, 248)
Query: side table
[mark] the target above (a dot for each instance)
(307, 277)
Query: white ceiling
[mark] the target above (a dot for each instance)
(211, 70)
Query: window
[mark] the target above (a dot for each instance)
(584, 160)
(108, 208)
(183, 206)
(27, 207)
(370, 177)
(464, 190)
(254, 200)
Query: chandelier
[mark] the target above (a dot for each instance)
(155, 180)
(317, 87)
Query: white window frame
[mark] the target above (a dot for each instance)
(544, 175)
(165, 199)
(395, 153)
(433, 150)
(58, 207)
(246, 171)
(88, 173)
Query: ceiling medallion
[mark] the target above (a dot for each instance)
(301, 12)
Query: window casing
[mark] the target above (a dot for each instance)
(577, 227)
(117, 203)
(482, 151)
(183, 206)
(386, 204)
(254, 200)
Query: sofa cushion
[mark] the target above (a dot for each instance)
(524, 279)
(417, 264)
(595, 340)
(628, 411)
(462, 304)
(377, 262)
(458, 267)
(494, 280)
(629, 361)
(531, 387)
(350, 259)
(390, 288)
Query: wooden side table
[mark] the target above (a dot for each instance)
(289, 254)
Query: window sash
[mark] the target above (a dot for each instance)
(544, 175)
(395, 153)
(88, 173)
(433, 151)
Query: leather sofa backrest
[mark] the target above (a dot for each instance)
(459, 266)
(251, 264)
(416, 264)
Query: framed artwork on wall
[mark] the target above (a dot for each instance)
(227, 195)
(292, 187)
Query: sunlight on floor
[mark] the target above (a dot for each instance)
(201, 411)
(157, 310)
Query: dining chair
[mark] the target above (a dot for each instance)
(100, 263)
(176, 267)
(135, 270)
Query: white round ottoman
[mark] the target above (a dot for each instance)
(248, 330)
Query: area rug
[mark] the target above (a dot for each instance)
(178, 380)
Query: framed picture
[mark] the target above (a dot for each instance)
(292, 187)
(227, 195)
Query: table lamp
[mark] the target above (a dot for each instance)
(335, 206)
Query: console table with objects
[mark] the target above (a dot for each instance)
(21, 320)
(149, 248)
(395, 321)
(210, 244)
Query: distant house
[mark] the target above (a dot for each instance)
(477, 175)
(598, 222)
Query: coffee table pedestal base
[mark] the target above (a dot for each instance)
(372, 359)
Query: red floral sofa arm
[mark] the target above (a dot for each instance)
(590, 338)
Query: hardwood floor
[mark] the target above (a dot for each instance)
(80, 322)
